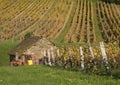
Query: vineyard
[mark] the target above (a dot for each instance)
(110, 23)
(79, 22)
(86, 58)
(82, 27)
(84, 21)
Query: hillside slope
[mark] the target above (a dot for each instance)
(88, 21)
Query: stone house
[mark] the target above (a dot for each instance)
(31, 48)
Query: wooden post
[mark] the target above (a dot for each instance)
(70, 57)
(49, 59)
(82, 59)
(53, 57)
(105, 61)
(64, 62)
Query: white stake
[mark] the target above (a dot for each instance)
(103, 52)
(49, 61)
(16, 56)
(104, 57)
(53, 57)
(91, 51)
(58, 53)
(58, 56)
(44, 54)
(82, 58)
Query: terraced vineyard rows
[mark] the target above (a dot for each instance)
(82, 26)
(23, 19)
(6, 4)
(13, 10)
(109, 21)
(54, 21)
(50, 18)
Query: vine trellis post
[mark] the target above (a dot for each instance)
(49, 58)
(58, 56)
(45, 57)
(53, 57)
(105, 61)
(82, 58)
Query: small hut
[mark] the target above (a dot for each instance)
(30, 49)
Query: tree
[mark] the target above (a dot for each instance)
(28, 35)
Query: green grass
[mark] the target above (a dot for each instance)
(5, 47)
(97, 29)
(43, 75)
